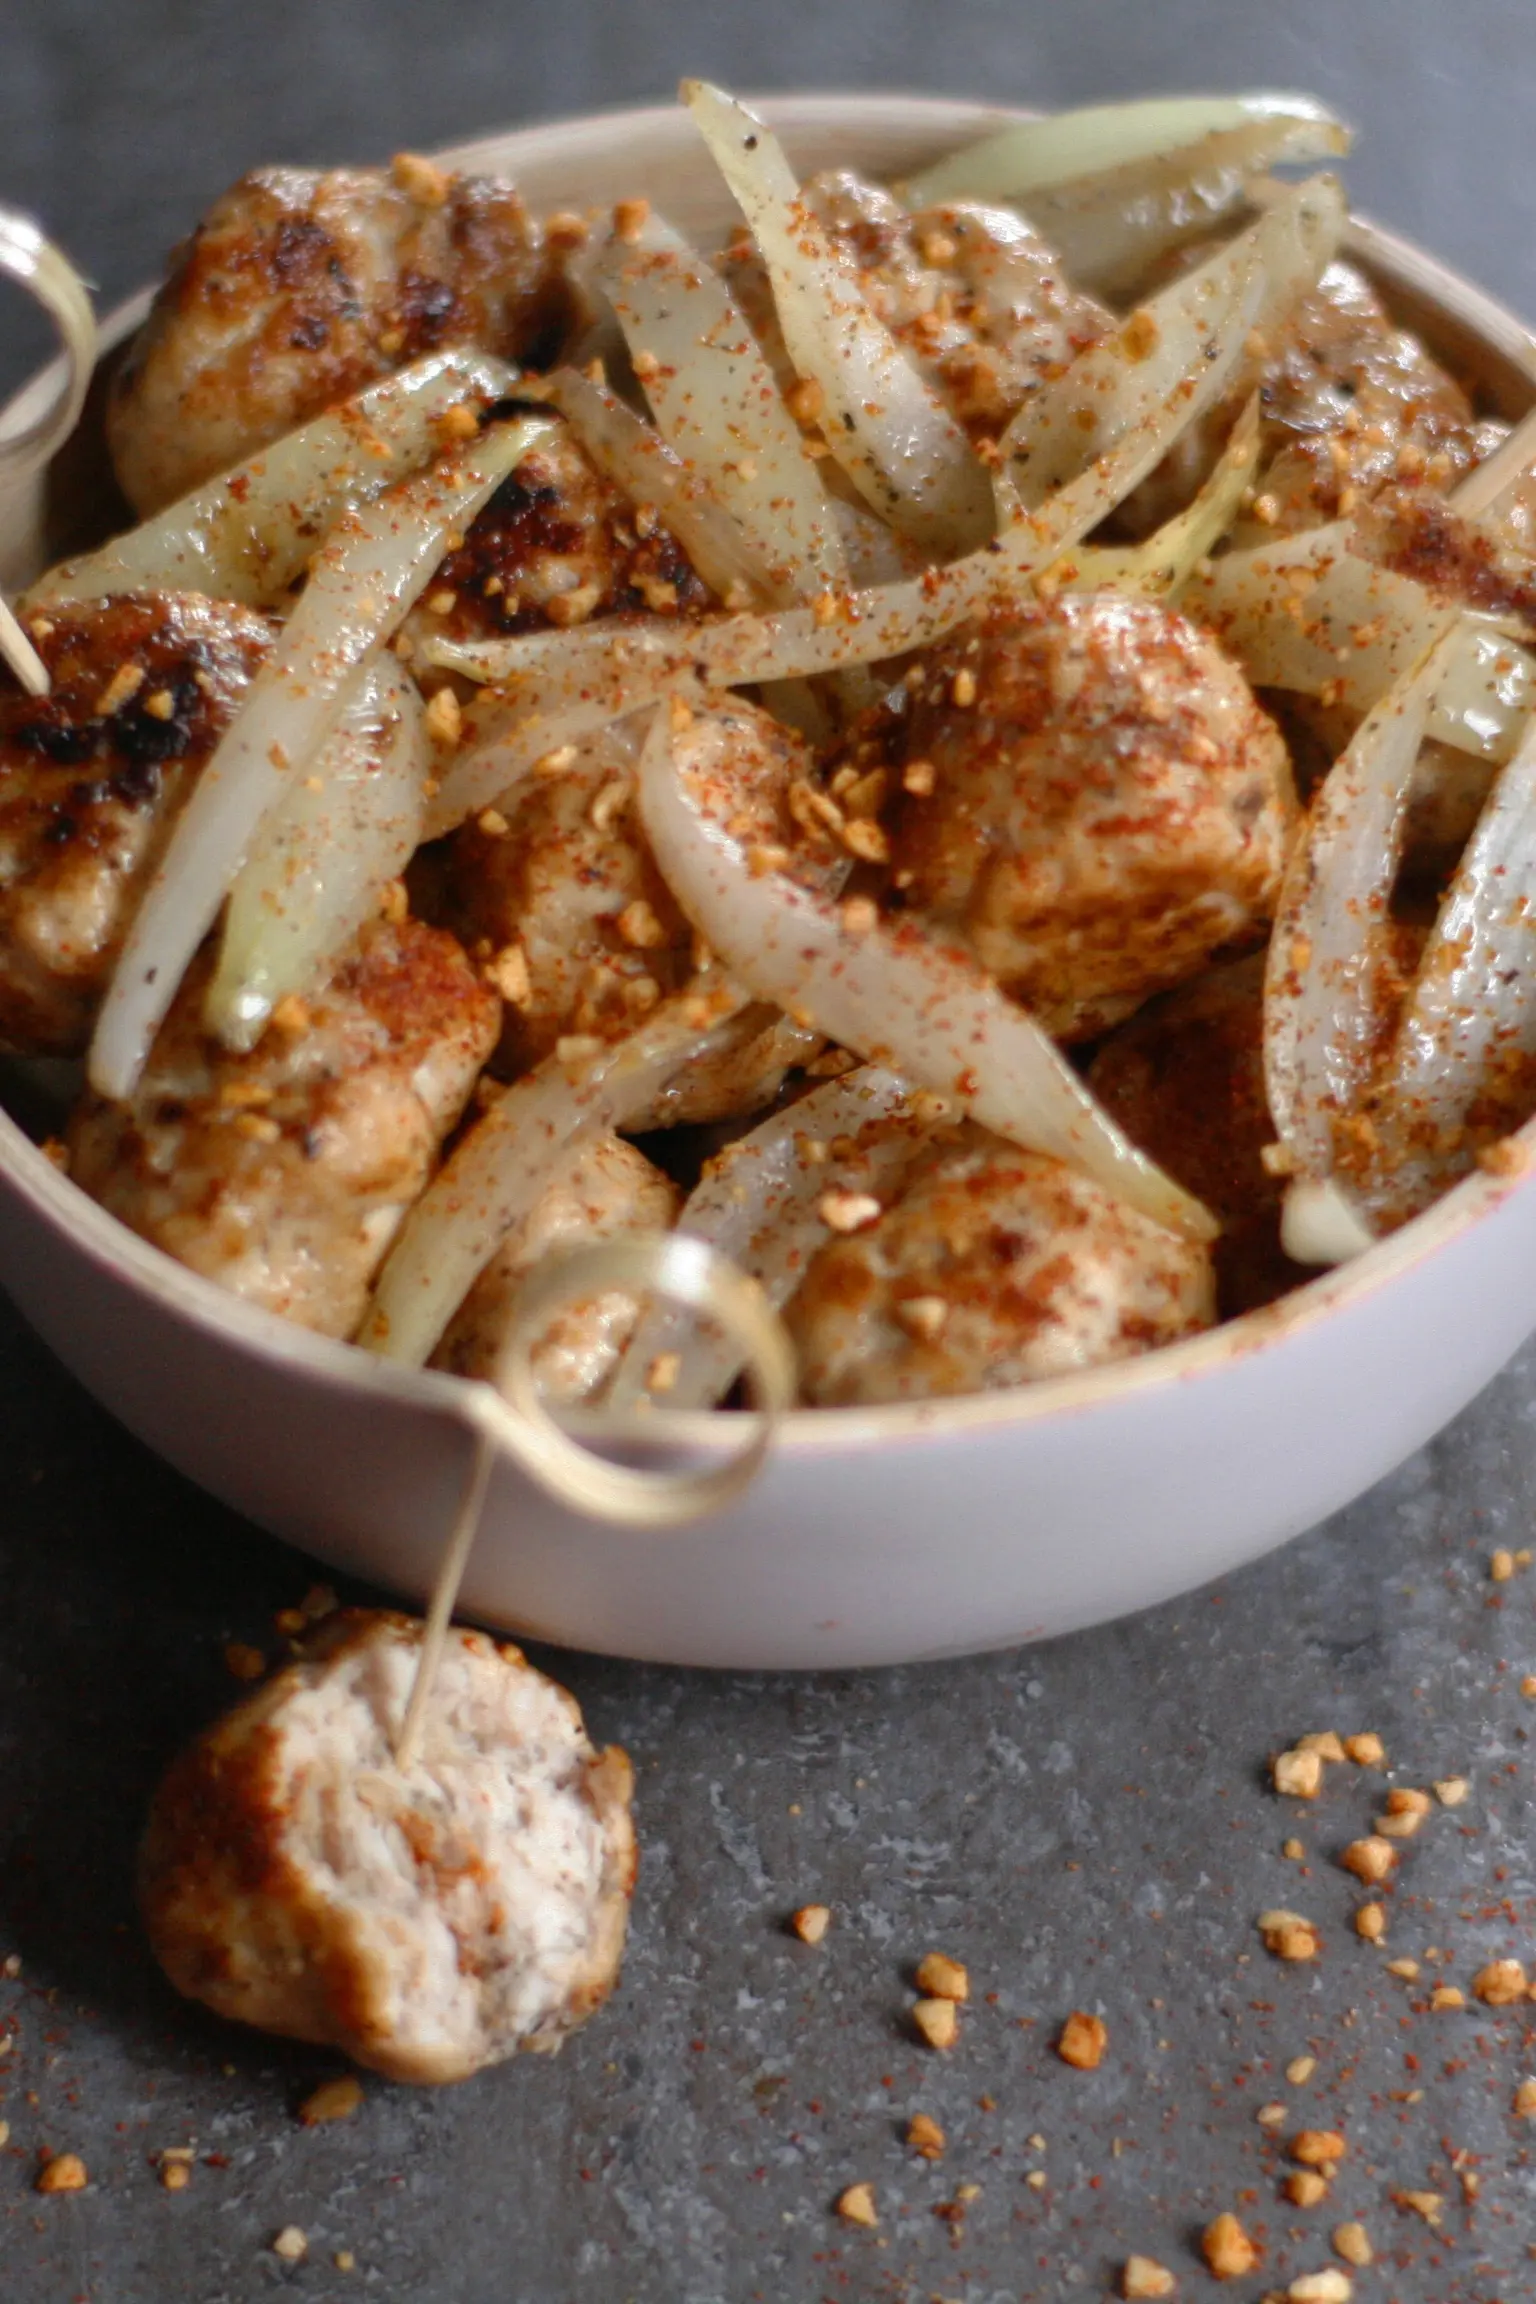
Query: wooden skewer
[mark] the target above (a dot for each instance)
(20, 654)
(445, 1591)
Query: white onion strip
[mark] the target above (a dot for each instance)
(558, 686)
(1070, 147)
(30, 258)
(892, 994)
(887, 428)
(1115, 383)
(248, 534)
(1325, 948)
(362, 581)
(516, 1150)
(757, 1204)
(1164, 564)
(627, 451)
(1473, 1001)
(717, 404)
(1312, 613)
(324, 856)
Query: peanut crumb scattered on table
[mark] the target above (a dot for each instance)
(1227, 2248)
(856, 2205)
(1083, 2040)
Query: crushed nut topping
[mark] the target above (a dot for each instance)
(811, 1922)
(1227, 2248)
(856, 2205)
(941, 1978)
(938, 2022)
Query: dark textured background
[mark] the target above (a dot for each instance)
(1086, 1824)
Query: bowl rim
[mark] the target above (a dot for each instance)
(213, 1311)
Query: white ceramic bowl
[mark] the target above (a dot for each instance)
(873, 1536)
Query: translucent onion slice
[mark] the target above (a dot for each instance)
(517, 1149)
(1311, 613)
(248, 535)
(1319, 1009)
(1111, 387)
(1480, 493)
(1111, 229)
(1472, 1007)
(555, 687)
(324, 856)
(718, 406)
(884, 424)
(1163, 565)
(630, 453)
(758, 1204)
(891, 993)
(361, 582)
(1068, 147)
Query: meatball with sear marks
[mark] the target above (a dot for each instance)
(1093, 801)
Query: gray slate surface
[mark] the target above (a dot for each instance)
(1087, 1824)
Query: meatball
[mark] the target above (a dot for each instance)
(611, 1192)
(429, 1921)
(993, 1267)
(91, 778)
(299, 288)
(559, 895)
(284, 1175)
(557, 544)
(1101, 804)
(1185, 1080)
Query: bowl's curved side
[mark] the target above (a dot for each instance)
(872, 1538)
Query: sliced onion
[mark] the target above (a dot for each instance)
(516, 1151)
(556, 687)
(1480, 493)
(1113, 386)
(718, 406)
(1325, 948)
(1311, 613)
(1472, 1005)
(630, 453)
(1163, 565)
(757, 1204)
(1070, 147)
(884, 424)
(362, 581)
(249, 534)
(323, 857)
(893, 994)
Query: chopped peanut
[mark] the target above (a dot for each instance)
(1227, 2248)
(1425, 2204)
(1143, 2276)
(65, 2172)
(1525, 2100)
(1403, 1801)
(291, 2244)
(445, 720)
(1353, 2243)
(1501, 1983)
(925, 2137)
(940, 1978)
(857, 2204)
(1318, 2147)
(1288, 1936)
(1326, 1745)
(1370, 1860)
(1300, 2070)
(1447, 1996)
(332, 2100)
(175, 2175)
(848, 1211)
(1083, 2041)
(1272, 2115)
(1366, 1751)
(1451, 1791)
(1298, 1775)
(938, 2021)
(1305, 2187)
(1330, 2286)
(1402, 1825)
(1371, 1922)
(1502, 1566)
(811, 1922)
(1407, 1969)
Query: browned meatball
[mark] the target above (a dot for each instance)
(1185, 1080)
(91, 778)
(285, 1174)
(557, 544)
(1100, 804)
(428, 1920)
(993, 1268)
(299, 288)
(610, 1192)
(558, 892)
